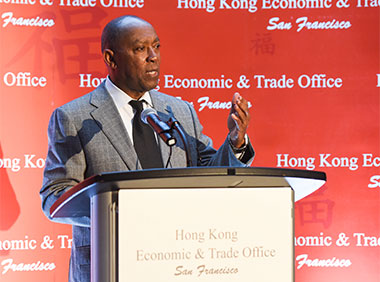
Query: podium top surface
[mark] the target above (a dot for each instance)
(76, 201)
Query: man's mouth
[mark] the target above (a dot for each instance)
(152, 73)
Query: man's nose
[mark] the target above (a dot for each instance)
(152, 55)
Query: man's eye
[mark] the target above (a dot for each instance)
(157, 46)
(140, 48)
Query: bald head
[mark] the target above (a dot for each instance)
(113, 31)
(131, 51)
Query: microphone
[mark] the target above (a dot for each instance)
(150, 116)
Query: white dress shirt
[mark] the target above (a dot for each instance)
(121, 100)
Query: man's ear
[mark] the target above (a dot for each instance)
(108, 57)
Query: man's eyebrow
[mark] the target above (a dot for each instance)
(138, 41)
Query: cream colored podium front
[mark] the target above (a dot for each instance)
(193, 224)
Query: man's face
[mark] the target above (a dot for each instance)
(138, 60)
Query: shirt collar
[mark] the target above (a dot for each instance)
(122, 98)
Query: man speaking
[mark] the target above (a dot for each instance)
(103, 132)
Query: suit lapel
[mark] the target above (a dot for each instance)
(178, 158)
(108, 118)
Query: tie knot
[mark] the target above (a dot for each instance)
(137, 105)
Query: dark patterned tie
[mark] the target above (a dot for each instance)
(144, 140)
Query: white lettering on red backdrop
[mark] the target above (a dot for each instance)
(86, 80)
(29, 244)
(22, 244)
(304, 23)
(28, 161)
(328, 161)
(9, 265)
(27, 2)
(374, 181)
(23, 2)
(251, 6)
(299, 4)
(313, 241)
(368, 3)
(82, 3)
(304, 260)
(222, 82)
(103, 3)
(363, 240)
(359, 239)
(8, 18)
(24, 79)
(209, 5)
(303, 81)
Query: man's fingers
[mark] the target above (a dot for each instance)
(241, 113)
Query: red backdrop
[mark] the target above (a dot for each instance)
(310, 69)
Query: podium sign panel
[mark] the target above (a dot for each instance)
(190, 224)
(209, 234)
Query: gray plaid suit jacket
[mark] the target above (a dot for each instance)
(87, 137)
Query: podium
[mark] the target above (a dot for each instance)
(191, 224)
